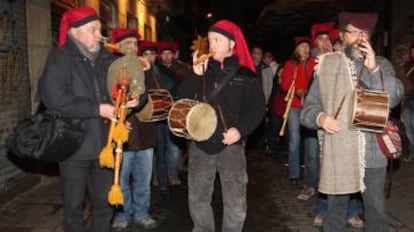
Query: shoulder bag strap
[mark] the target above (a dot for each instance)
(364, 86)
(228, 74)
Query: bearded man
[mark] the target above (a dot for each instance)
(351, 160)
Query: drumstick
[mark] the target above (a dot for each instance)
(223, 121)
(339, 107)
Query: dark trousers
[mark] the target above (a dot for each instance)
(77, 177)
(231, 167)
(408, 111)
(373, 200)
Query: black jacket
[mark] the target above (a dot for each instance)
(143, 134)
(67, 86)
(241, 100)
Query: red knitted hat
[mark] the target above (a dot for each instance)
(321, 29)
(233, 32)
(118, 34)
(302, 39)
(75, 17)
(364, 21)
(334, 35)
(166, 45)
(145, 45)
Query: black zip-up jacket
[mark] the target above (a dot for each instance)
(143, 134)
(67, 87)
(241, 100)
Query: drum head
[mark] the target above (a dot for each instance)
(201, 122)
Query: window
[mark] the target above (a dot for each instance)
(132, 21)
(108, 13)
(147, 32)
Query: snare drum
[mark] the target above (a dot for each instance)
(192, 120)
(157, 107)
(370, 110)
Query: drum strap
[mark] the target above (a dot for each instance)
(228, 73)
(410, 71)
(364, 86)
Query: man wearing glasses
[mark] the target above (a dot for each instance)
(351, 160)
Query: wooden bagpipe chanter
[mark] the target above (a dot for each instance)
(125, 81)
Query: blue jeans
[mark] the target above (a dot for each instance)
(167, 156)
(294, 142)
(311, 158)
(136, 202)
(321, 206)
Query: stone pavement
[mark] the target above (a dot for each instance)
(272, 203)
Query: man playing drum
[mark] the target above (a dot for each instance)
(351, 160)
(241, 107)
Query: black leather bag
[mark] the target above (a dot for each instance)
(46, 136)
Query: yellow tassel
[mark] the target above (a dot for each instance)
(115, 196)
(106, 157)
(121, 132)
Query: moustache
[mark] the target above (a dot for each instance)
(353, 52)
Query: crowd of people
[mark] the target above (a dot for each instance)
(251, 91)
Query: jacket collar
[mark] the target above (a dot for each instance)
(71, 47)
(228, 62)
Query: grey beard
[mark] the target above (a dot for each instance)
(88, 54)
(353, 53)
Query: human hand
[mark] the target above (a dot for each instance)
(144, 63)
(231, 136)
(300, 93)
(199, 67)
(369, 54)
(329, 124)
(128, 126)
(132, 103)
(329, 47)
(106, 111)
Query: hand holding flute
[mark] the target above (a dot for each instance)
(200, 62)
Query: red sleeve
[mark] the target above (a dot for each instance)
(310, 70)
(305, 77)
(287, 75)
(311, 67)
(300, 79)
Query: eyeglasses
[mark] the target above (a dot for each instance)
(357, 33)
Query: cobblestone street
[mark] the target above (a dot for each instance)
(272, 203)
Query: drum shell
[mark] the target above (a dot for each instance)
(370, 110)
(192, 120)
(158, 106)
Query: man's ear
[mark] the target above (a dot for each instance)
(73, 32)
(232, 44)
(341, 35)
